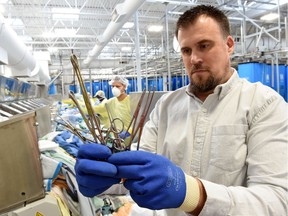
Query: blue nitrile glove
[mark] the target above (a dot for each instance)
(93, 174)
(153, 180)
(124, 134)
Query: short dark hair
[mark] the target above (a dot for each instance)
(190, 16)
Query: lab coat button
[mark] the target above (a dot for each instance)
(194, 174)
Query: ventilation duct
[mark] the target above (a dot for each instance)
(120, 15)
(20, 61)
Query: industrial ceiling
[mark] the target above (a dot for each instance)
(94, 30)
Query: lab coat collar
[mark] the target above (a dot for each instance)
(223, 89)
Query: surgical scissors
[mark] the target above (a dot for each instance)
(112, 136)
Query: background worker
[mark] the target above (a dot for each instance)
(100, 97)
(119, 105)
(221, 141)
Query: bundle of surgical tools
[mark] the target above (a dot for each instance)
(109, 136)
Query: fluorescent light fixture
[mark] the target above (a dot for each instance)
(15, 22)
(25, 38)
(49, 35)
(61, 32)
(126, 49)
(155, 28)
(128, 25)
(65, 13)
(3, 1)
(42, 55)
(65, 32)
(270, 16)
(52, 50)
(175, 12)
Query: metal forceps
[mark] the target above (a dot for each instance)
(72, 129)
(137, 129)
(92, 121)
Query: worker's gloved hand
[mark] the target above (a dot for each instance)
(153, 180)
(93, 173)
(124, 134)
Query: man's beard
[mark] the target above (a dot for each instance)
(201, 86)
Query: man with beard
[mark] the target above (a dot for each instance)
(215, 147)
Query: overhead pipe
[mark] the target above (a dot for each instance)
(120, 15)
(19, 57)
(18, 54)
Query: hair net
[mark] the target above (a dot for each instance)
(100, 93)
(120, 79)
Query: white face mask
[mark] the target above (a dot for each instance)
(116, 92)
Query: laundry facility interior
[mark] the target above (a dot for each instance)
(130, 38)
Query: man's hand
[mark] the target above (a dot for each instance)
(153, 180)
(93, 173)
